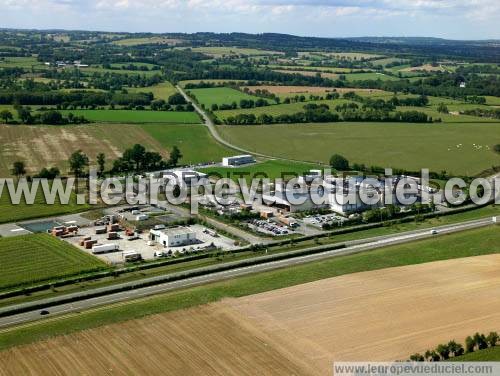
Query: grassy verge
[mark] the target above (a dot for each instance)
(471, 243)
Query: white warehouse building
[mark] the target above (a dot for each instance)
(237, 160)
(173, 237)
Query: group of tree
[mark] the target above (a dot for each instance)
(493, 113)
(452, 349)
(162, 105)
(76, 99)
(51, 117)
(137, 159)
(321, 114)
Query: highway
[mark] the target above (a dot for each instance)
(124, 292)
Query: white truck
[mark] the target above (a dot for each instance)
(130, 256)
(104, 248)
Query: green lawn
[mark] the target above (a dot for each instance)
(30, 259)
(410, 146)
(134, 116)
(194, 141)
(272, 169)
(219, 95)
(471, 243)
(23, 211)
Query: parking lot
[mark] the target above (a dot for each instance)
(207, 239)
(320, 220)
(270, 227)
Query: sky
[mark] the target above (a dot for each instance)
(453, 19)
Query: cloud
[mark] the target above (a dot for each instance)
(453, 18)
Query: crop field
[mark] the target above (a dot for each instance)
(21, 62)
(160, 91)
(476, 242)
(425, 67)
(309, 73)
(36, 258)
(194, 141)
(438, 147)
(220, 95)
(46, 146)
(313, 68)
(221, 51)
(100, 69)
(278, 109)
(151, 40)
(271, 169)
(284, 91)
(137, 116)
(295, 330)
(202, 341)
(371, 315)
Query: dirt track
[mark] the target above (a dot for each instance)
(380, 315)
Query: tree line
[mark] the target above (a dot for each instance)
(452, 349)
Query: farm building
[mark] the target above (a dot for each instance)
(237, 160)
(173, 237)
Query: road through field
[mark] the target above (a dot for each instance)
(213, 131)
(386, 314)
(128, 291)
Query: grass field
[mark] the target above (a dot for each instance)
(135, 116)
(30, 259)
(219, 95)
(471, 243)
(39, 209)
(46, 146)
(160, 91)
(272, 169)
(194, 141)
(277, 109)
(410, 146)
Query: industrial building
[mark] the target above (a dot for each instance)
(237, 160)
(173, 237)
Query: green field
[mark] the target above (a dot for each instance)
(471, 243)
(410, 146)
(194, 141)
(21, 62)
(272, 169)
(369, 76)
(160, 91)
(30, 259)
(219, 95)
(39, 209)
(278, 109)
(137, 116)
